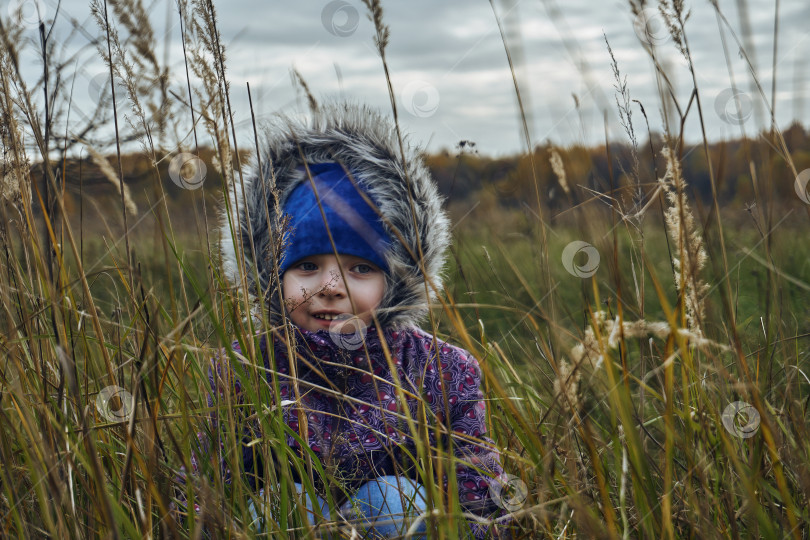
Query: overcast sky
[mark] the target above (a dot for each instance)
(450, 72)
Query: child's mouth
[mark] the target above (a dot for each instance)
(331, 316)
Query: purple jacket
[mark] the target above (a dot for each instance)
(364, 437)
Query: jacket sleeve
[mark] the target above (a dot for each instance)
(478, 461)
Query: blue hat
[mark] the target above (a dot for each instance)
(355, 224)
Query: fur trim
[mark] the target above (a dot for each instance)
(365, 143)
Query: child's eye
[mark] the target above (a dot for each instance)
(307, 266)
(362, 268)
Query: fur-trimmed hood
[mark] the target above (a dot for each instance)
(365, 143)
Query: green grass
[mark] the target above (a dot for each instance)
(616, 434)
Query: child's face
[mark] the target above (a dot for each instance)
(313, 287)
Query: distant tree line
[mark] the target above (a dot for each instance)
(740, 167)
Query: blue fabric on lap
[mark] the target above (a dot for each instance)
(385, 507)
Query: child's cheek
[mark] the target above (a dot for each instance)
(286, 289)
(293, 291)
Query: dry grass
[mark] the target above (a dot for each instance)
(608, 393)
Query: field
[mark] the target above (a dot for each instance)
(643, 332)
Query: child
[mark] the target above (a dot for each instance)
(352, 291)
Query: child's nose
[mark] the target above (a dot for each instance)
(333, 284)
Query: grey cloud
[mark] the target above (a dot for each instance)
(455, 46)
